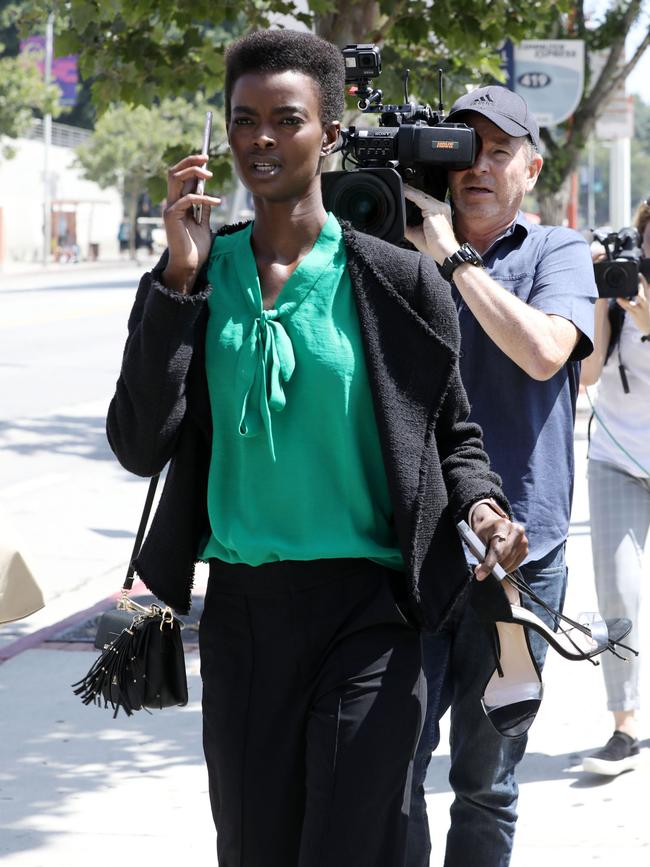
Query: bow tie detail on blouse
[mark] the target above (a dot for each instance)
(267, 362)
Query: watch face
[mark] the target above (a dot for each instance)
(469, 254)
(465, 253)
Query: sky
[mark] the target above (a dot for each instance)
(638, 81)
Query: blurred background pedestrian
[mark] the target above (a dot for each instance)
(619, 492)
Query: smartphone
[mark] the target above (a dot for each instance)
(477, 547)
(205, 148)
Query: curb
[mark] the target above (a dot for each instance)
(29, 642)
(56, 268)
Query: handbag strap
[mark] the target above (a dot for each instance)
(139, 536)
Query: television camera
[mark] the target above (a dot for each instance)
(411, 143)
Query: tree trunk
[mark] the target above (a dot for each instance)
(553, 203)
(350, 23)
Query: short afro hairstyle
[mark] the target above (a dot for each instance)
(264, 51)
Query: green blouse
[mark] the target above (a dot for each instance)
(296, 471)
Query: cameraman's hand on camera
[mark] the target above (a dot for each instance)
(435, 236)
(638, 307)
(598, 252)
(188, 241)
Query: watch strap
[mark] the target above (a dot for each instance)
(465, 253)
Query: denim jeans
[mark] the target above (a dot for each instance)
(458, 664)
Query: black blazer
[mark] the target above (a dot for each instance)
(434, 459)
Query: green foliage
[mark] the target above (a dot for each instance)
(642, 123)
(464, 36)
(31, 97)
(132, 146)
(21, 92)
(609, 27)
(145, 51)
(640, 161)
(640, 169)
(8, 30)
(137, 51)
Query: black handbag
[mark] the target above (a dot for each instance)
(142, 664)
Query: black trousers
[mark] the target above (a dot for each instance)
(313, 700)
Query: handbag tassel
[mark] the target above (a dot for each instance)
(107, 675)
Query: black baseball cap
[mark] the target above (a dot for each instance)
(505, 108)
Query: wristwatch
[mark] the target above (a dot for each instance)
(465, 253)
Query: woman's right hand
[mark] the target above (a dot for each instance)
(188, 242)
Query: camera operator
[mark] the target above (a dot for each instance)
(619, 491)
(524, 295)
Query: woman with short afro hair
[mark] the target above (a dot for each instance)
(301, 380)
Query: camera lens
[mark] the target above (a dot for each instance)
(615, 278)
(363, 207)
(367, 202)
(372, 200)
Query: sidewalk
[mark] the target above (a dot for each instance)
(78, 787)
(18, 274)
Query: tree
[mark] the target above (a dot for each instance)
(640, 168)
(564, 144)
(82, 112)
(141, 50)
(132, 145)
(22, 91)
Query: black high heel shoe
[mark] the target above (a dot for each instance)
(513, 694)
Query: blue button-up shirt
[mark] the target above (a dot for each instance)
(528, 425)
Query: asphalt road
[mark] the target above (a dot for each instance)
(69, 504)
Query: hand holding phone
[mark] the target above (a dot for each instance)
(188, 234)
(205, 148)
(477, 547)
